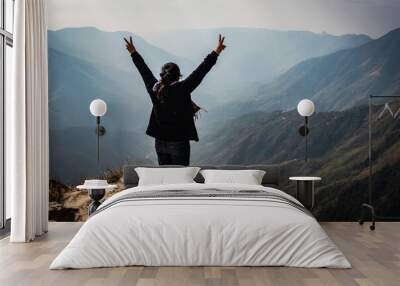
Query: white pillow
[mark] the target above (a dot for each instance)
(247, 177)
(165, 176)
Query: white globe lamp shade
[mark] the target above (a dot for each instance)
(306, 107)
(98, 107)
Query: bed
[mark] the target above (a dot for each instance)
(198, 224)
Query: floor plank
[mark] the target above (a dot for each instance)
(375, 257)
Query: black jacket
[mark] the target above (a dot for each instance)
(172, 117)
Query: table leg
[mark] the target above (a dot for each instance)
(306, 193)
(96, 196)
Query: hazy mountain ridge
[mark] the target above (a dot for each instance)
(73, 152)
(86, 63)
(108, 48)
(271, 137)
(244, 65)
(338, 152)
(253, 55)
(334, 82)
(74, 83)
(338, 81)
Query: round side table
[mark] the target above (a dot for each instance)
(305, 190)
(96, 193)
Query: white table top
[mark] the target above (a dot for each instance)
(88, 187)
(305, 179)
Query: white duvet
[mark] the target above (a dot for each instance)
(211, 231)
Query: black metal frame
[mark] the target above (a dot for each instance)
(6, 39)
(369, 205)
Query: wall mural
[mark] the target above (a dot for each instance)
(249, 97)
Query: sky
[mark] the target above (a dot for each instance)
(372, 17)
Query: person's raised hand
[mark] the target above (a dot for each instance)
(129, 45)
(220, 46)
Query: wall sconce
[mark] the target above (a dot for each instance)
(305, 108)
(98, 108)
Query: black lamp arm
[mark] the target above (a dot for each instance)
(307, 131)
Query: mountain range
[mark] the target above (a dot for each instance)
(337, 81)
(253, 92)
(340, 80)
(73, 152)
(338, 151)
(87, 63)
(253, 55)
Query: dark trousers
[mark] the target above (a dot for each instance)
(173, 152)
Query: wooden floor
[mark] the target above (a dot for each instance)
(375, 257)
